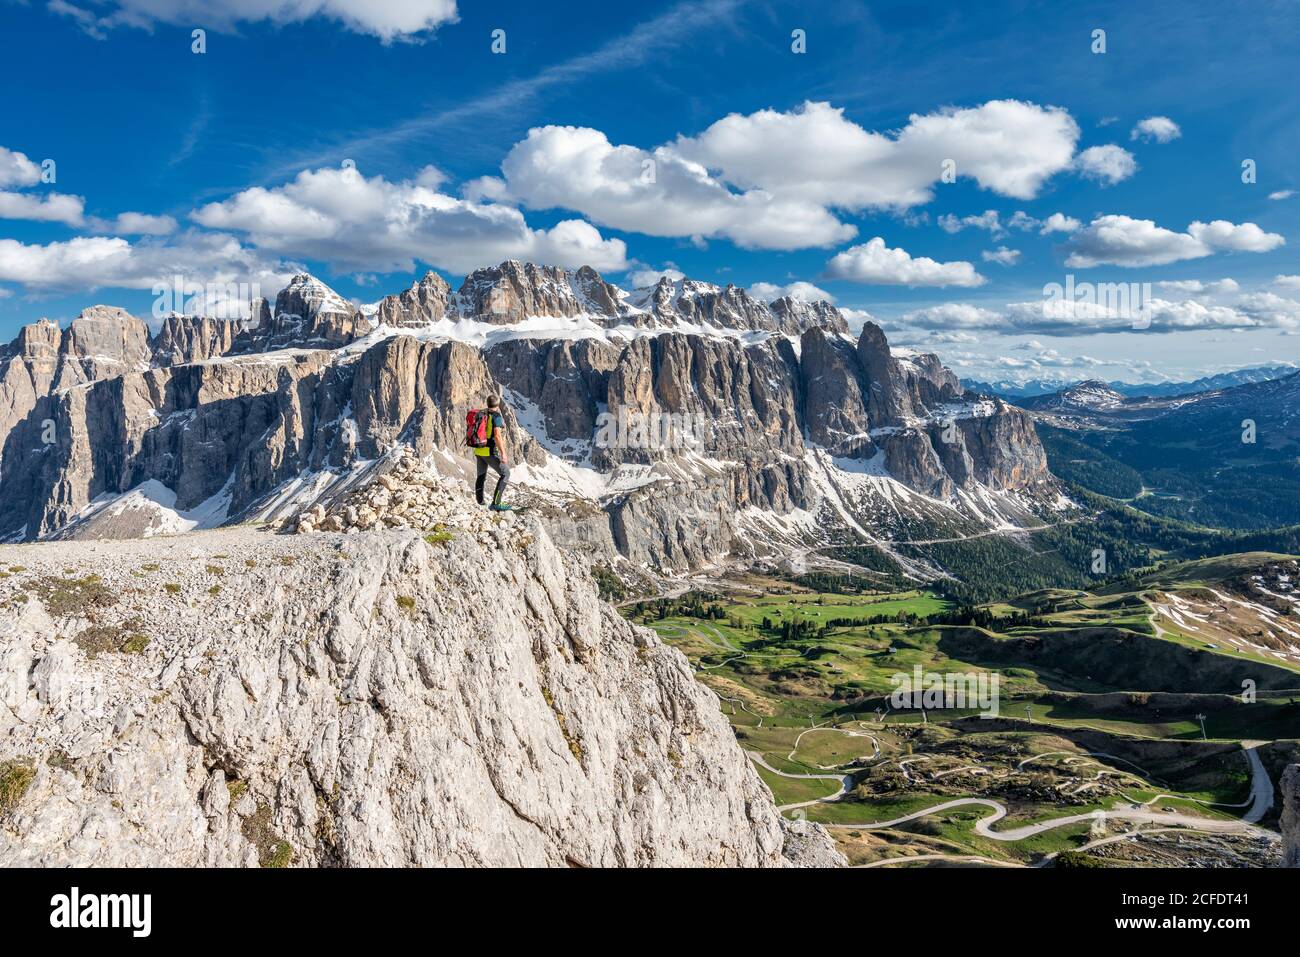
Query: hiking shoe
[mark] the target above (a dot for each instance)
(497, 507)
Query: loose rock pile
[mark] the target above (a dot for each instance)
(410, 495)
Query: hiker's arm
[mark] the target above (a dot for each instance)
(502, 449)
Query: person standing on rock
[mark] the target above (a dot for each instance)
(485, 434)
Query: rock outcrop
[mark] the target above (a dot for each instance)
(1290, 820)
(513, 290)
(694, 303)
(28, 366)
(426, 302)
(402, 492)
(308, 312)
(103, 341)
(241, 698)
(185, 339)
(835, 394)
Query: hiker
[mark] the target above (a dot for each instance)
(485, 434)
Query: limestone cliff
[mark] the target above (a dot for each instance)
(794, 424)
(240, 698)
(1290, 820)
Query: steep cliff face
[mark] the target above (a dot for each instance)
(103, 341)
(426, 302)
(566, 379)
(185, 339)
(223, 437)
(1290, 822)
(835, 397)
(242, 426)
(1001, 447)
(780, 428)
(418, 392)
(332, 700)
(27, 369)
(745, 397)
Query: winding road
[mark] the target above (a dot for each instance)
(1260, 801)
(845, 782)
(853, 734)
(984, 826)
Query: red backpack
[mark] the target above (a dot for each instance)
(477, 422)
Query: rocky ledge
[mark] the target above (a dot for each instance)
(406, 494)
(389, 697)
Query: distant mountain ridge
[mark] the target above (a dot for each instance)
(1226, 458)
(1222, 380)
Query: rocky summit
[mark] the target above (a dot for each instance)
(236, 697)
(777, 430)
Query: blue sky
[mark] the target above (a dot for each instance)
(770, 167)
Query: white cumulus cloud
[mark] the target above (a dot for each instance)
(1158, 129)
(17, 170)
(1060, 223)
(774, 180)
(802, 291)
(1117, 240)
(90, 262)
(1108, 165)
(1195, 287)
(988, 220)
(658, 193)
(874, 262)
(1244, 238)
(1088, 316)
(135, 224)
(1002, 256)
(43, 208)
(357, 223)
(953, 315)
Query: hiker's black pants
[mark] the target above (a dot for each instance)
(502, 470)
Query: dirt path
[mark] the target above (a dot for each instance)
(845, 782)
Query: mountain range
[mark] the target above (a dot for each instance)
(807, 436)
(1223, 380)
(1224, 458)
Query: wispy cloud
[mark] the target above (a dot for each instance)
(645, 41)
(194, 133)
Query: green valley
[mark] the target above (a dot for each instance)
(1145, 722)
